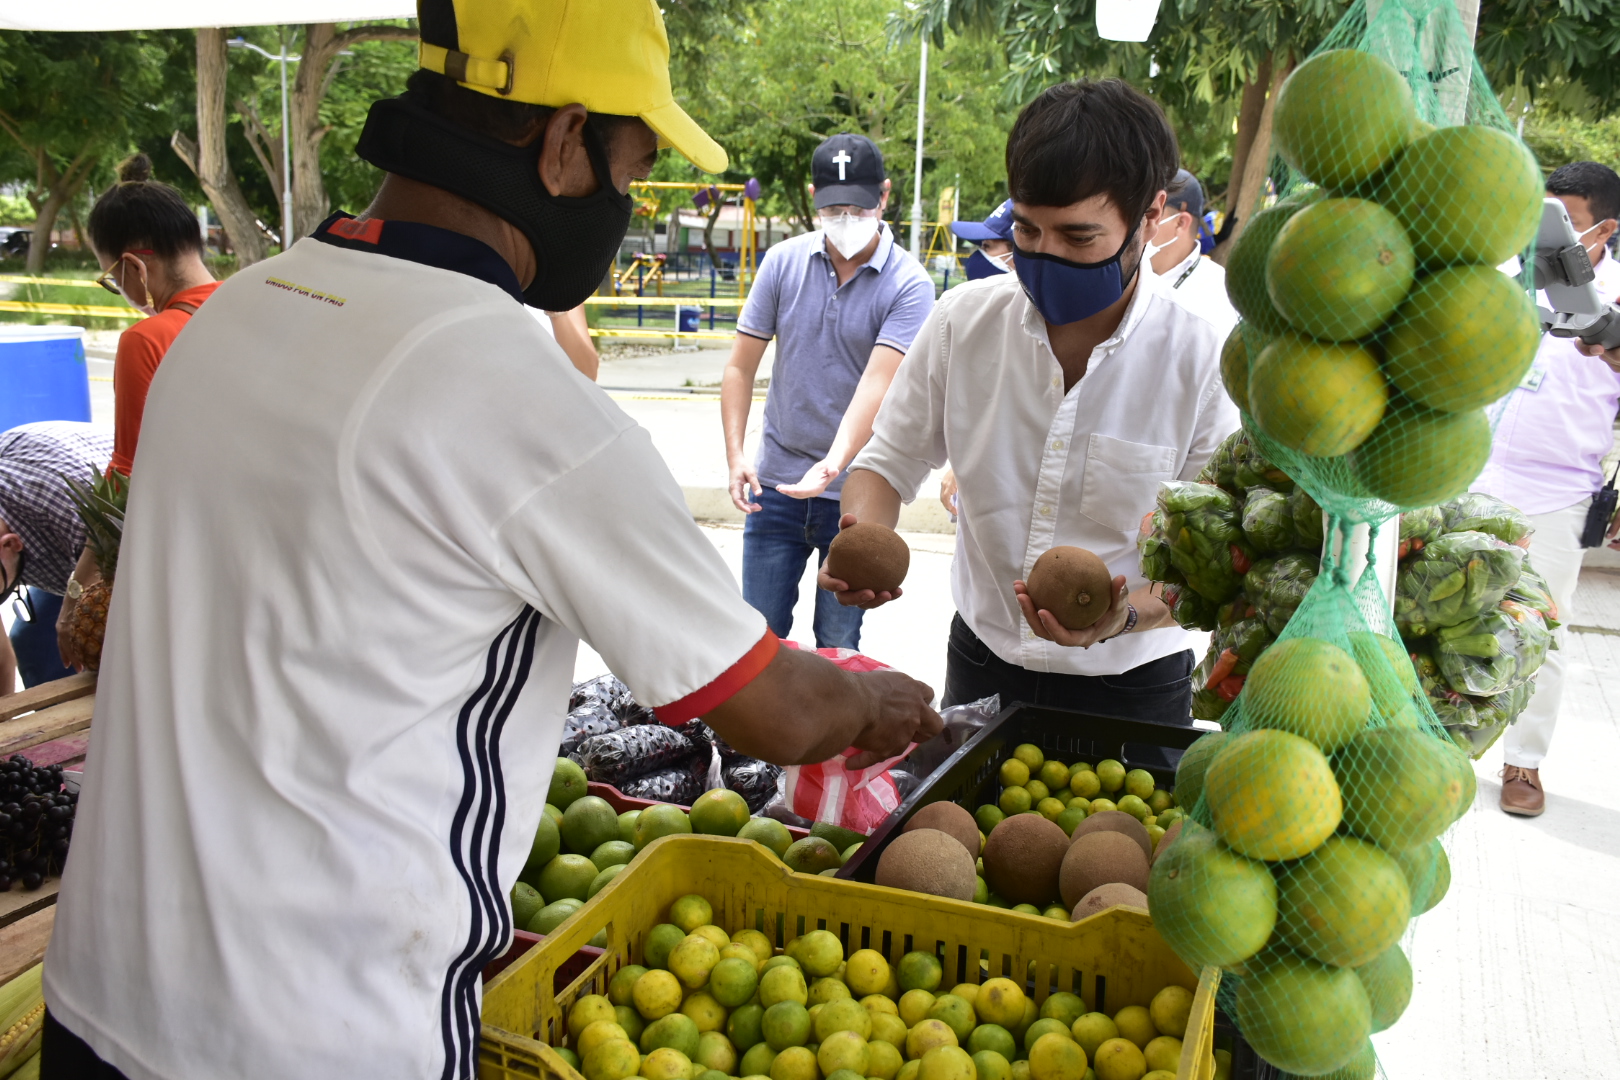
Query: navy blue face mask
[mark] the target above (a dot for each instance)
(1066, 292)
(979, 265)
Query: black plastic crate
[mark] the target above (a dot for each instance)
(969, 776)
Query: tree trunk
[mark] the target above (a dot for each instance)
(708, 230)
(1242, 201)
(207, 156)
(319, 63)
(1249, 109)
(59, 188)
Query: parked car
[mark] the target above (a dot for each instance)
(14, 241)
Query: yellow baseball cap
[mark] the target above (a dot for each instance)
(611, 56)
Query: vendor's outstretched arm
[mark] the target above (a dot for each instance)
(803, 708)
(866, 497)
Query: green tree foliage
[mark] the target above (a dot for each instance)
(71, 105)
(771, 79)
(1569, 47)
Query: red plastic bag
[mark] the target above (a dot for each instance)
(829, 792)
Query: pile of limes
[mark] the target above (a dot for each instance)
(1375, 323)
(705, 1005)
(582, 843)
(1066, 794)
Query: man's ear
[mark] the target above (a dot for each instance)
(1607, 230)
(883, 199)
(564, 164)
(1155, 212)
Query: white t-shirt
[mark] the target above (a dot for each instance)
(374, 511)
(1037, 467)
(1198, 283)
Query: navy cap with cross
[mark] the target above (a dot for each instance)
(847, 170)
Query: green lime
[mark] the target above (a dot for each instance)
(992, 1037)
(588, 823)
(546, 846)
(567, 784)
(658, 821)
(743, 1027)
(623, 982)
(785, 1024)
(1111, 774)
(812, 855)
(769, 832)
(988, 817)
(526, 901)
(1030, 755)
(1014, 773)
(733, 981)
(920, 971)
(981, 890)
(719, 813)
(1015, 800)
(677, 1031)
(567, 876)
(1055, 775)
(612, 853)
(1071, 817)
(660, 940)
(1139, 782)
(627, 826)
(600, 881)
(552, 916)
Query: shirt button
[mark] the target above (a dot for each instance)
(1056, 383)
(1046, 511)
(1057, 444)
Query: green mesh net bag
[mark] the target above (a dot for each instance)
(1376, 326)
(1375, 329)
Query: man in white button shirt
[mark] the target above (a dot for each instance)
(1063, 394)
(1194, 279)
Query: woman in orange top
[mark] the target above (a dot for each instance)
(148, 243)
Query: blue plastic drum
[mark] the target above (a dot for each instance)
(43, 375)
(689, 319)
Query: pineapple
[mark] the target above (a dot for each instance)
(101, 505)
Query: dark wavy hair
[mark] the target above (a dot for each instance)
(1091, 137)
(141, 213)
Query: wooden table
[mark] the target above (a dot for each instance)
(38, 715)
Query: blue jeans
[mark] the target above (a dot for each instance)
(34, 641)
(777, 540)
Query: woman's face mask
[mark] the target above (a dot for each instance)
(981, 264)
(849, 233)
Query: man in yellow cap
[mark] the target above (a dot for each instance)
(378, 510)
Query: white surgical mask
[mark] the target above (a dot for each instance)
(849, 233)
(1003, 260)
(1594, 258)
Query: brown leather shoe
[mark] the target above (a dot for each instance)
(1521, 791)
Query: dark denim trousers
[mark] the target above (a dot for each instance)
(34, 640)
(1159, 690)
(777, 542)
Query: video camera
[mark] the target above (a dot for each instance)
(1563, 271)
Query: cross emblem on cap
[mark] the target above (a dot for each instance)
(841, 159)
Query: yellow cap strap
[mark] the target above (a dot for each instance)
(494, 74)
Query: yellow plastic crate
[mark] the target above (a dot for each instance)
(1113, 959)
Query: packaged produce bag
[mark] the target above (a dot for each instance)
(827, 791)
(1206, 540)
(1493, 652)
(1458, 577)
(1474, 512)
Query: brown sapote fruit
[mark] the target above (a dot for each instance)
(869, 556)
(1071, 583)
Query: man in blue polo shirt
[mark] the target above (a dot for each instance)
(843, 303)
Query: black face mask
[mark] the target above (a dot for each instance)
(575, 240)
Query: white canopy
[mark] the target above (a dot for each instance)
(178, 14)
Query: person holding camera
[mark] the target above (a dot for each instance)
(1553, 432)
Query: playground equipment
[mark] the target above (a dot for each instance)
(702, 196)
(645, 269)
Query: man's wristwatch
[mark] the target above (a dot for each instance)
(74, 589)
(1130, 624)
